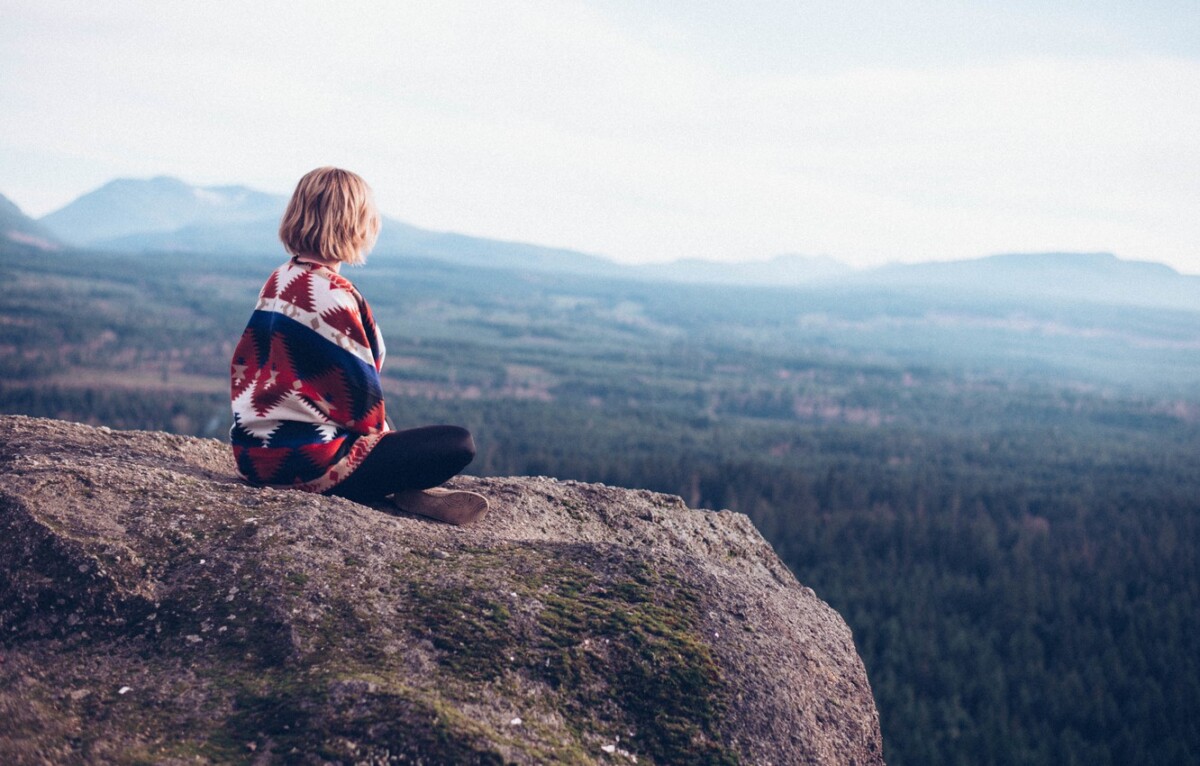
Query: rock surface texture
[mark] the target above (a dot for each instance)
(154, 609)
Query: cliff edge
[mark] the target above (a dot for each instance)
(154, 609)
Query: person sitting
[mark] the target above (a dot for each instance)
(308, 408)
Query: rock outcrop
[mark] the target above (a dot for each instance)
(154, 609)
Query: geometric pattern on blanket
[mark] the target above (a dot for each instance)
(304, 381)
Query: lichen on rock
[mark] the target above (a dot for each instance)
(154, 609)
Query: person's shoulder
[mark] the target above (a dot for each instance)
(338, 282)
(330, 290)
(338, 287)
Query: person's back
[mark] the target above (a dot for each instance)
(305, 383)
(306, 412)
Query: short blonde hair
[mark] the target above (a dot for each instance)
(331, 216)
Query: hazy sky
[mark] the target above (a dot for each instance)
(645, 131)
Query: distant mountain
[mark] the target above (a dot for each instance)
(168, 215)
(257, 236)
(402, 239)
(780, 271)
(131, 207)
(19, 230)
(1090, 277)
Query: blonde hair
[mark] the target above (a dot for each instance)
(331, 216)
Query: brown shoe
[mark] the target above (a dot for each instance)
(453, 506)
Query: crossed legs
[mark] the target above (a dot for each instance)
(412, 459)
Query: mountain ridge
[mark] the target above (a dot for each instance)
(165, 214)
(1098, 277)
(121, 216)
(23, 231)
(126, 206)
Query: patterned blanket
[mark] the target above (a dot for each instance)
(307, 404)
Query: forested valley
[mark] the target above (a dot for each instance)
(1003, 501)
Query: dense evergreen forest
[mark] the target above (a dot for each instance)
(1007, 517)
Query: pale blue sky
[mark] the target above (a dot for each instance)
(869, 132)
(783, 35)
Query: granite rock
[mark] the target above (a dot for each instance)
(155, 609)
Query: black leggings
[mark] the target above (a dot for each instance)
(416, 458)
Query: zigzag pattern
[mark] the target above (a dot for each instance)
(304, 381)
(347, 321)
